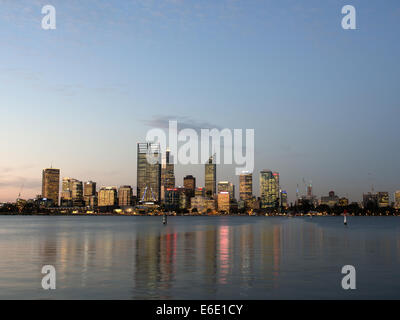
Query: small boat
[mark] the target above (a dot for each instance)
(164, 220)
(345, 218)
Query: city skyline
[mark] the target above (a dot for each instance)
(323, 101)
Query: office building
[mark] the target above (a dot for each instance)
(108, 197)
(224, 201)
(245, 187)
(167, 173)
(148, 172)
(210, 178)
(90, 194)
(189, 183)
(51, 184)
(269, 189)
(125, 196)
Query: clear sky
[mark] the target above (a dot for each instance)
(324, 102)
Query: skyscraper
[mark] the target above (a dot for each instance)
(167, 174)
(210, 178)
(51, 184)
(246, 186)
(269, 189)
(89, 194)
(148, 172)
(72, 193)
(189, 183)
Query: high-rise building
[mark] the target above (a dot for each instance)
(89, 194)
(125, 196)
(210, 178)
(72, 193)
(383, 199)
(224, 201)
(226, 186)
(148, 172)
(51, 184)
(167, 173)
(397, 199)
(284, 199)
(245, 186)
(189, 183)
(89, 189)
(108, 197)
(269, 189)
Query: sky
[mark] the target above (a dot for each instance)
(323, 101)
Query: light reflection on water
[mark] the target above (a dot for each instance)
(199, 257)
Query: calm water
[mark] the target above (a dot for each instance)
(199, 257)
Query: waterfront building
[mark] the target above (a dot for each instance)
(72, 193)
(210, 178)
(167, 173)
(198, 203)
(331, 200)
(245, 187)
(171, 199)
(269, 189)
(90, 194)
(189, 183)
(224, 201)
(108, 197)
(148, 172)
(125, 196)
(51, 184)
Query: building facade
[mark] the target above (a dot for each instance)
(51, 184)
(108, 197)
(189, 183)
(210, 178)
(245, 187)
(125, 196)
(224, 201)
(269, 189)
(148, 172)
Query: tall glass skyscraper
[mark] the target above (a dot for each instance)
(167, 174)
(246, 186)
(269, 189)
(51, 184)
(148, 172)
(210, 178)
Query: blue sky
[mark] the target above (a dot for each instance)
(324, 102)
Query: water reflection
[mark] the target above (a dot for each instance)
(192, 258)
